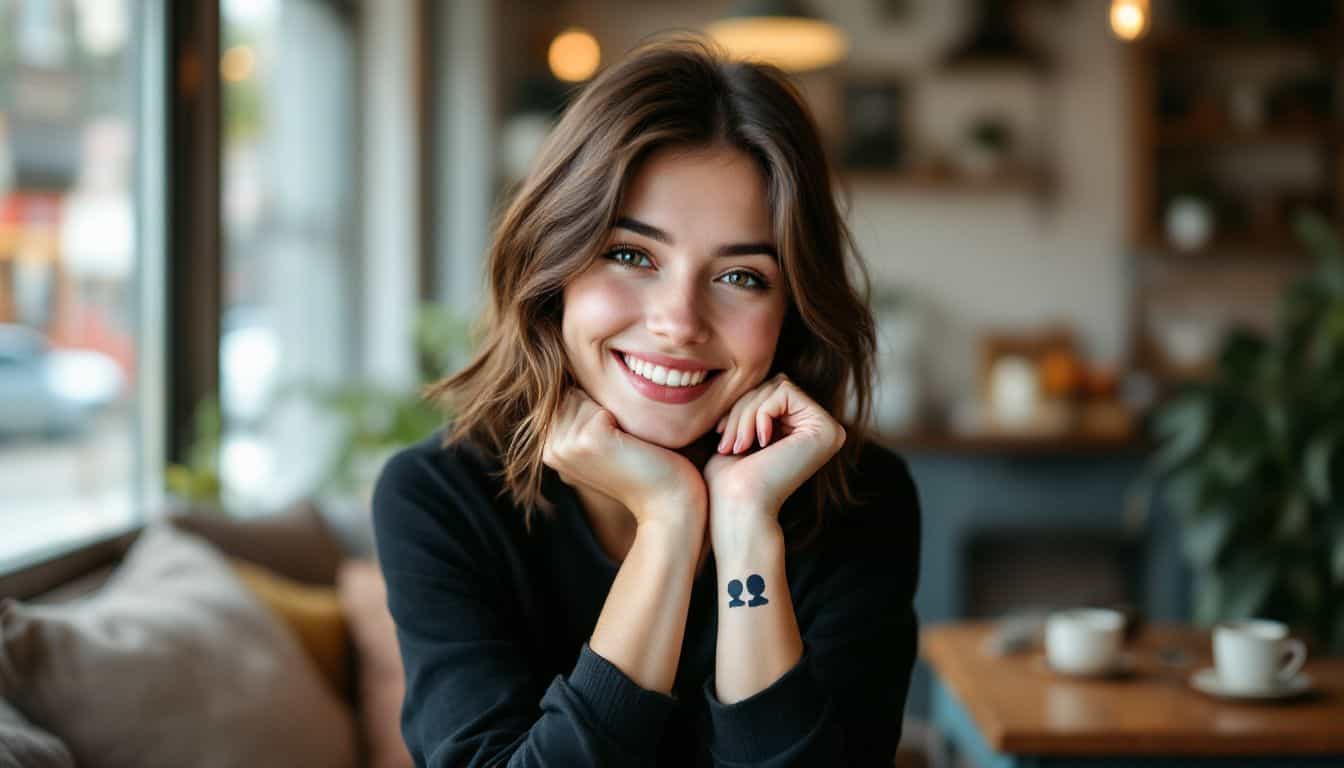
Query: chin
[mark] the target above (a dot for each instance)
(664, 432)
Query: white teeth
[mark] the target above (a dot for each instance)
(660, 375)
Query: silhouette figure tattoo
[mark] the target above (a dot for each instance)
(756, 586)
(735, 592)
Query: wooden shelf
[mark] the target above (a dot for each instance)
(1273, 251)
(1239, 43)
(1322, 132)
(1017, 181)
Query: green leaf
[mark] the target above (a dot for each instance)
(1234, 464)
(1246, 585)
(1316, 467)
(1205, 537)
(1182, 426)
(1294, 519)
(1242, 356)
(1208, 597)
(1302, 583)
(1234, 593)
(1315, 231)
(1279, 421)
(1183, 492)
(1337, 556)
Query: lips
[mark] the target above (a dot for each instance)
(660, 392)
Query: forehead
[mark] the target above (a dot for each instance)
(705, 194)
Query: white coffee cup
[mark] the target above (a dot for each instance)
(1084, 641)
(1256, 655)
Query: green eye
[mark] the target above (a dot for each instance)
(744, 279)
(628, 257)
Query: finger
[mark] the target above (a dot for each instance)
(746, 425)
(729, 432)
(774, 407)
(764, 421)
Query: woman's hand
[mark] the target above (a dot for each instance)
(587, 447)
(797, 437)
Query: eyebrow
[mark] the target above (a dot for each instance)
(729, 249)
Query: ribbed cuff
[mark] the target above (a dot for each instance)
(631, 714)
(769, 722)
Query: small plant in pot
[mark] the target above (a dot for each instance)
(1253, 461)
(989, 141)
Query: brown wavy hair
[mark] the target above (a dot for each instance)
(684, 92)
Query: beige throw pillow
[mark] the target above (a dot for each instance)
(24, 745)
(382, 681)
(174, 664)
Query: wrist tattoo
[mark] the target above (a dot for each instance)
(755, 585)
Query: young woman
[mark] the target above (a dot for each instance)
(651, 535)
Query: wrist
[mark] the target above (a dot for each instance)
(678, 527)
(745, 536)
(683, 505)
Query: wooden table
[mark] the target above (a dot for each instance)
(1009, 711)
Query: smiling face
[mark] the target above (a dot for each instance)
(679, 315)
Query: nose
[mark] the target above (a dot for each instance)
(674, 312)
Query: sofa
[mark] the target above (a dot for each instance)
(204, 640)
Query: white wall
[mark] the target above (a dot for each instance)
(979, 261)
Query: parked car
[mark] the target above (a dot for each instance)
(51, 392)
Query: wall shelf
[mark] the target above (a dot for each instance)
(1278, 250)
(1195, 41)
(1187, 88)
(1183, 134)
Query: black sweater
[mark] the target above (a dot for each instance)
(493, 624)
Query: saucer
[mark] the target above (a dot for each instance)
(1122, 666)
(1206, 681)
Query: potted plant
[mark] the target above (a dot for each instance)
(989, 140)
(1253, 461)
(195, 482)
(379, 420)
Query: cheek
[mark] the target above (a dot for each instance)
(752, 335)
(596, 308)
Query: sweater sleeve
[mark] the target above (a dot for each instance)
(843, 703)
(472, 695)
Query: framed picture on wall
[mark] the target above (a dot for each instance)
(875, 133)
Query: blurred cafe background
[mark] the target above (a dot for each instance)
(236, 237)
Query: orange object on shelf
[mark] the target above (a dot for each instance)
(1101, 383)
(1061, 373)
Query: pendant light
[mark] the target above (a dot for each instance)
(780, 32)
(1130, 19)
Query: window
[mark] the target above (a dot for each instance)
(290, 315)
(80, 129)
